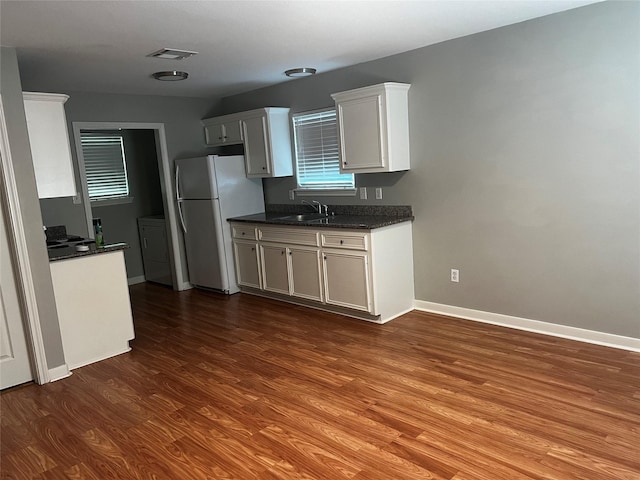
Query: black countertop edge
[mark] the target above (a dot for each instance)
(65, 253)
(352, 210)
(364, 222)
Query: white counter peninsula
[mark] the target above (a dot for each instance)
(92, 300)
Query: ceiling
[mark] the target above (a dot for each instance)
(102, 46)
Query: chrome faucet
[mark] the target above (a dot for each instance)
(317, 206)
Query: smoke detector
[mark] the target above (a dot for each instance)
(172, 54)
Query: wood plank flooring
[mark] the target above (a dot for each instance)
(244, 388)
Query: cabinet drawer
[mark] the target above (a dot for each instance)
(353, 241)
(244, 231)
(293, 236)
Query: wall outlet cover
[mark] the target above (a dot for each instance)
(292, 194)
(378, 193)
(363, 193)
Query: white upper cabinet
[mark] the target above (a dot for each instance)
(265, 134)
(222, 130)
(49, 140)
(373, 128)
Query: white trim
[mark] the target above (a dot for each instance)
(118, 351)
(166, 185)
(325, 192)
(136, 280)
(536, 326)
(26, 289)
(107, 202)
(185, 286)
(58, 373)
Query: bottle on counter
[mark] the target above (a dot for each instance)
(97, 227)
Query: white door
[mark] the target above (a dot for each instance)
(347, 280)
(361, 134)
(248, 273)
(306, 281)
(256, 146)
(15, 366)
(275, 272)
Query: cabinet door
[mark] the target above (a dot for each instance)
(214, 134)
(49, 141)
(256, 146)
(247, 269)
(233, 132)
(346, 279)
(361, 136)
(305, 273)
(275, 272)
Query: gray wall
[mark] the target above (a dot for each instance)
(11, 90)
(525, 165)
(180, 116)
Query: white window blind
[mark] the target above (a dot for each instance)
(316, 148)
(105, 165)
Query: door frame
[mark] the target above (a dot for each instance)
(16, 233)
(166, 186)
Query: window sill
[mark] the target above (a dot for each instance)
(108, 202)
(320, 192)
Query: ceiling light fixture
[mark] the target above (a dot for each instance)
(170, 76)
(300, 72)
(172, 54)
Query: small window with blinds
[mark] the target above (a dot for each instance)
(316, 147)
(105, 165)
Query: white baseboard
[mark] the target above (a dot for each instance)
(58, 373)
(136, 280)
(536, 326)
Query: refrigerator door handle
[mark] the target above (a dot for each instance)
(178, 183)
(184, 227)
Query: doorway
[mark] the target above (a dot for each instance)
(152, 136)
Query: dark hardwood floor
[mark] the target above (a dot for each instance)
(242, 387)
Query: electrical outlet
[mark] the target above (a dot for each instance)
(76, 200)
(292, 195)
(455, 275)
(378, 193)
(363, 193)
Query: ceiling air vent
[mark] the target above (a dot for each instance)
(172, 54)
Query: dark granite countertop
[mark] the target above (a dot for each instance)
(63, 253)
(345, 216)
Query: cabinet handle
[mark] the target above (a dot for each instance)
(253, 249)
(144, 241)
(219, 138)
(264, 168)
(290, 253)
(341, 242)
(243, 233)
(282, 252)
(325, 257)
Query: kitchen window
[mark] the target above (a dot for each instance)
(105, 166)
(317, 159)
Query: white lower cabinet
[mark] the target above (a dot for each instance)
(359, 272)
(247, 263)
(306, 275)
(346, 279)
(275, 272)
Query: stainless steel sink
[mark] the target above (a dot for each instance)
(304, 217)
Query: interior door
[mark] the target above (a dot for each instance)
(15, 365)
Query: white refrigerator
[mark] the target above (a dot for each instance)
(209, 190)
